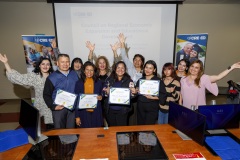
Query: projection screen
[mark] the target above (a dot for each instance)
(149, 29)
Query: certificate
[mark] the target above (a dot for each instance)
(65, 98)
(119, 96)
(87, 101)
(149, 87)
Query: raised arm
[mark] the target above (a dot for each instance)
(16, 77)
(115, 47)
(4, 60)
(54, 47)
(91, 48)
(215, 78)
(125, 59)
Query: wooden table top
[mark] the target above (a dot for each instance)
(91, 146)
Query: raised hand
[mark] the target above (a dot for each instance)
(121, 38)
(90, 46)
(53, 43)
(115, 46)
(236, 65)
(3, 58)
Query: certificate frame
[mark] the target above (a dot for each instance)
(114, 98)
(87, 101)
(65, 98)
(149, 87)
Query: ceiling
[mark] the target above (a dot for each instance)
(185, 2)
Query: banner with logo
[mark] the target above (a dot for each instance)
(36, 46)
(191, 47)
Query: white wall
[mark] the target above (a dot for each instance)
(222, 22)
(16, 19)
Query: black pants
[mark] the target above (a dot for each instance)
(132, 116)
(64, 118)
(117, 118)
(147, 112)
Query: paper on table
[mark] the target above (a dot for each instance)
(189, 156)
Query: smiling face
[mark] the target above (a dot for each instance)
(182, 66)
(45, 66)
(63, 63)
(137, 62)
(89, 71)
(193, 54)
(77, 65)
(102, 64)
(149, 70)
(187, 48)
(195, 69)
(120, 70)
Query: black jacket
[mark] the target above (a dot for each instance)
(124, 84)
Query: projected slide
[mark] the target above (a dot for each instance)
(149, 29)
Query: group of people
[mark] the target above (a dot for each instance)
(185, 85)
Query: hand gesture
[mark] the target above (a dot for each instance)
(99, 97)
(106, 90)
(59, 107)
(78, 121)
(3, 58)
(172, 89)
(115, 46)
(133, 90)
(90, 46)
(149, 96)
(236, 65)
(53, 43)
(121, 38)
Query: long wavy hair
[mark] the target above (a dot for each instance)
(170, 67)
(83, 76)
(154, 66)
(37, 69)
(114, 74)
(200, 73)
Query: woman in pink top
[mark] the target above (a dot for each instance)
(194, 84)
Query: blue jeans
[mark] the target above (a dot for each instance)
(162, 118)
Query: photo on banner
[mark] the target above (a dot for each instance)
(36, 46)
(191, 47)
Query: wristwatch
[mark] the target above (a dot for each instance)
(229, 67)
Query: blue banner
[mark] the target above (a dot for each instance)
(191, 47)
(36, 46)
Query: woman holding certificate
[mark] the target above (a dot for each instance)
(151, 92)
(89, 110)
(118, 88)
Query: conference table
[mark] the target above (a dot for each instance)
(90, 145)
